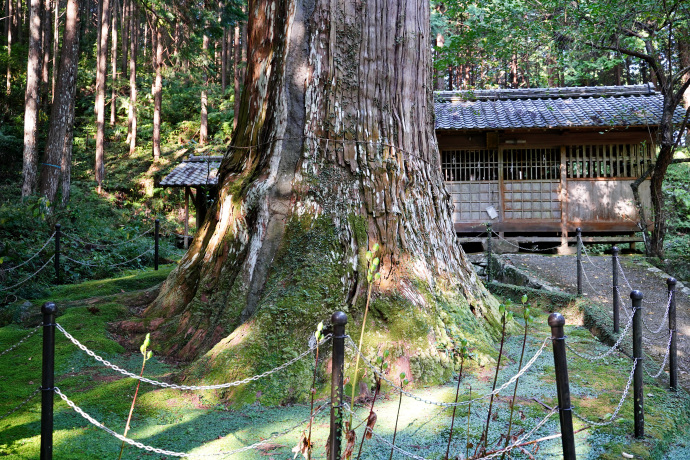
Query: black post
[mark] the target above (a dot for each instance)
(616, 297)
(155, 237)
(673, 351)
(47, 383)
(636, 297)
(579, 261)
(57, 253)
(565, 412)
(488, 253)
(339, 320)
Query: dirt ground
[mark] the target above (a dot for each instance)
(561, 272)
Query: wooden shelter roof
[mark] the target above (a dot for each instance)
(593, 106)
(194, 172)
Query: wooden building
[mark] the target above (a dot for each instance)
(537, 163)
(201, 174)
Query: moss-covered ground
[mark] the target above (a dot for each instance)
(194, 422)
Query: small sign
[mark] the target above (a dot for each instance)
(491, 211)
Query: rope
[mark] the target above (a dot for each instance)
(663, 364)
(87, 264)
(32, 257)
(104, 245)
(21, 404)
(29, 277)
(171, 453)
(609, 351)
(620, 403)
(22, 340)
(376, 371)
(188, 387)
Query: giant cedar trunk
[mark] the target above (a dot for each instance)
(132, 112)
(334, 151)
(157, 59)
(59, 144)
(31, 99)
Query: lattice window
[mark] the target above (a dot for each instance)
(469, 165)
(613, 160)
(531, 164)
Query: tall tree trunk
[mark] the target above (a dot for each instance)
(157, 89)
(9, 32)
(236, 73)
(31, 99)
(126, 11)
(203, 128)
(59, 144)
(45, 47)
(101, 73)
(684, 54)
(113, 63)
(224, 60)
(132, 113)
(56, 41)
(334, 151)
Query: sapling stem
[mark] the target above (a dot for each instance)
(370, 421)
(403, 382)
(528, 319)
(371, 277)
(463, 351)
(504, 318)
(146, 357)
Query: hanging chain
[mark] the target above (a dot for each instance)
(21, 404)
(188, 387)
(663, 364)
(32, 257)
(609, 351)
(30, 276)
(22, 340)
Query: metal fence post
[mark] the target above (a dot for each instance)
(48, 380)
(488, 253)
(673, 351)
(636, 297)
(155, 251)
(565, 412)
(616, 297)
(339, 320)
(57, 253)
(579, 261)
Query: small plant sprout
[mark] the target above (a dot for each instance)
(463, 354)
(528, 320)
(403, 382)
(372, 276)
(305, 444)
(371, 419)
(146, 354)
(506, 317)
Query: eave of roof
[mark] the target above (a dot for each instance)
(194, 172)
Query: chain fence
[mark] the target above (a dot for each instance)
(106, 245)
(32, 257)
(126, 373)
(21, 404)
(663, 364)
(613, 348)
(584, 251)
(172, 453)
(89, 264)
(30, 276)
(510, 243)
(620, 403)
(399, 389)
(26, 337)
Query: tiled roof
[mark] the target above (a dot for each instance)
(550, 108)
(194, 172)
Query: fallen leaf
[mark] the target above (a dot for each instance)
(371, 421)
(349, 447)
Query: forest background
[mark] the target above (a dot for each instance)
(102, 99)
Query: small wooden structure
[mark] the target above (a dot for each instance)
(201, 174)
(537, 163)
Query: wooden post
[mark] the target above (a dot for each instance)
(563, 197)
(49, 311)
(565, 411)
(616, 297)
(673, 351)
(338, 320)
(638, 388)
(579, 261)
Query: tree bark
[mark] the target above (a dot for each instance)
(113, 63)
(224, 60)
(203, 128)
(157, 55)
(45, 47)
(56, 23)
(334, 151)
(132, 113)
(126, 11)
(236, 73)
(9, 32)
(684, 54)
(101, 73)
(59, 144)
(31, 99)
